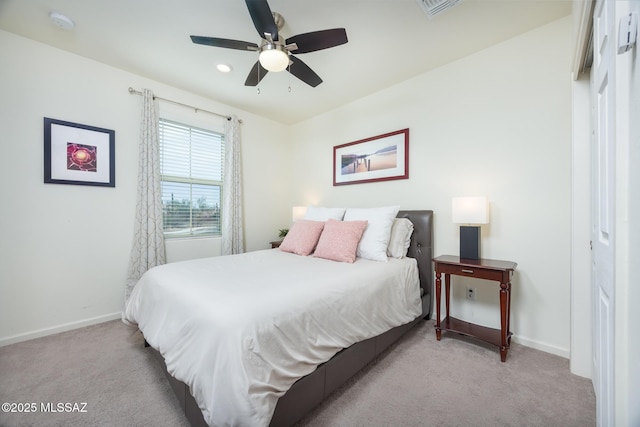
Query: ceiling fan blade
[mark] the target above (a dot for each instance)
(256, 74)
(303, 72)
(226, 43)
(262, 18)
(318, 40)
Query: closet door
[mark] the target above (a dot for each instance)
(603, 204)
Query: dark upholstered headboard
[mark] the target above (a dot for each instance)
(421, 249)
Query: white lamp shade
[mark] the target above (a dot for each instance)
(297, 212)
(274, 59)
(470, 210)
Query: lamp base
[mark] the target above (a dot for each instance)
(469, 242)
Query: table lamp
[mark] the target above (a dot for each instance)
(470, 211)
(297, 212)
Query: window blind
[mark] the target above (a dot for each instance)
(191, 162)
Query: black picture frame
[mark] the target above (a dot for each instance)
(78, 154)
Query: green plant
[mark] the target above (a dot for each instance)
(283, 232)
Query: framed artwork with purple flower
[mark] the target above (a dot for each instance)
(78, 154)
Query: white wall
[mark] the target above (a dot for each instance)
(497, 123)
(65, 248)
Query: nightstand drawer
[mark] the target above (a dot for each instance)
(477, 272)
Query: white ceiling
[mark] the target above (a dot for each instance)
(389, 41)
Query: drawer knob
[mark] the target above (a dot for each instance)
(467, 271)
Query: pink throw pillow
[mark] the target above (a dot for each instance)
(339, 240)
(303, 237)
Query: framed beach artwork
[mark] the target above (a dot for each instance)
(78, 154)
(379, 158)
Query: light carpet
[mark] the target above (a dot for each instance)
(418, 382)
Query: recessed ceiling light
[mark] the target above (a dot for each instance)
(61, 21)
(224, 68)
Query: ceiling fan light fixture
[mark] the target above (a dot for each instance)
(273, 57)
(277, 53)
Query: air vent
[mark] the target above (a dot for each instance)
(436, 7)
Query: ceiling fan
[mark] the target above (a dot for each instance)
(275, 54)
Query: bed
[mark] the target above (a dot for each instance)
(275, 382)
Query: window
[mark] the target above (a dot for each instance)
(191, 173)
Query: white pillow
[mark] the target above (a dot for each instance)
(316, 213)
(400, 239)
(375, 239)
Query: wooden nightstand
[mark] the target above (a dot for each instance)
(500, 271)
(275, 244)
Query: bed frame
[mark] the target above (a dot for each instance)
(311, 390)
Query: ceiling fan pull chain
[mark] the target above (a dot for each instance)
(258, 87)
(289, 77)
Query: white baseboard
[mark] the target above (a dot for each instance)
(57, 329)
(562, 352)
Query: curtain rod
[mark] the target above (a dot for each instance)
(132, 91)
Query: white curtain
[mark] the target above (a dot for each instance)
(232, 233)
(148, 240)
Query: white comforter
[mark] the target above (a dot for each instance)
(239, 330)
